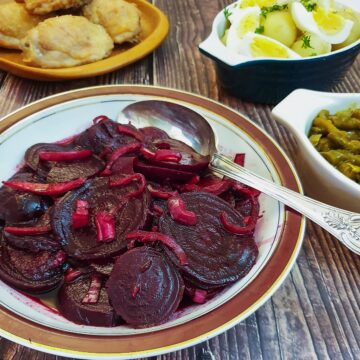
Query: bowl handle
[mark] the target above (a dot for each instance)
(300, 107)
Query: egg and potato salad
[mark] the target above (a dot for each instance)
(289, 29)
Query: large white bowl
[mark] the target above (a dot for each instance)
(321, 180)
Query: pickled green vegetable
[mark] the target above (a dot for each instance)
(337, 138)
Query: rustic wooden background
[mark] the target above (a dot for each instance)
(315, 313)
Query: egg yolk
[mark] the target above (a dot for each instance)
(262, 47)
(327, 21)
(248, 24)
(260, 3)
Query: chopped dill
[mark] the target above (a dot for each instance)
(259, 30)
(308, 5)
(227, 13)
(266, 10)
(306, 42)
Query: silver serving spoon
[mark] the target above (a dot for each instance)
(187, 125)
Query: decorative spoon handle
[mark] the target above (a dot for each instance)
(343, 224)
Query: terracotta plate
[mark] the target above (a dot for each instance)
(155, 27)
(279, 233)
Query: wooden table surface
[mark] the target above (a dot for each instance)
(315, 313)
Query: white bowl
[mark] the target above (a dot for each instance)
(321, 180)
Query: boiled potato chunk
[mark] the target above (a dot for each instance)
(355, 31)
(313, 47)
(280, 26)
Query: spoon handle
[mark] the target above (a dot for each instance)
(343, 224)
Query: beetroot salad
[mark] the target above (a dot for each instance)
(127, 224)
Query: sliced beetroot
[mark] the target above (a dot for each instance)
(35, 272)
(103, 267)
(181, 156)
(18, 207)
(67, 171)
(152, 134)
(161, 174)
(103, 135)
(144, 287)
(225, 257)
(129, 214)
(33, 243)
(72, 307)
(60, 163)
(124, 165)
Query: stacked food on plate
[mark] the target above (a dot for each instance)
(65, 33)
(128, 222)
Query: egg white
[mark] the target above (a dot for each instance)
(305, 21)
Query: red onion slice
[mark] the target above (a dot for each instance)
(92, 296)
(45, 189)
(147, 236)
(179, 213)
(64, 155)
(35, 230)
(105, 227)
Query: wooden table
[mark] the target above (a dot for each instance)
(315, 313)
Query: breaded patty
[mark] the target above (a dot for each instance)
(65, 41)
(47, 6)
(120, 18)
(15, 22)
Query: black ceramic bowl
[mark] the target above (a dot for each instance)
(268, 80)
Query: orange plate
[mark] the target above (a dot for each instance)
(155, 27)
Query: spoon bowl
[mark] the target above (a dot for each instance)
(187, 125)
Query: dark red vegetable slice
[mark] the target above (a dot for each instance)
(35, 272)
(17, 207)
(161, 174)
(64, 155)
(45, 189)
(33, 243)
(179, 213)
(225, 257)
(150, 237)
(71, 306)
(152, 134)
(129, 214)
(144, 287)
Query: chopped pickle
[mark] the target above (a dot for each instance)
(337, 138)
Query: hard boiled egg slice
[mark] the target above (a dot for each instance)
(260, 46)
(261, 3)
(242, 21)
(328, 25)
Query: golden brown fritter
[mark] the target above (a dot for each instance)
(15, 22)
(65, 41)
(47, 6)
(120, 18)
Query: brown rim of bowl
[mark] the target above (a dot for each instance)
(227, 315)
